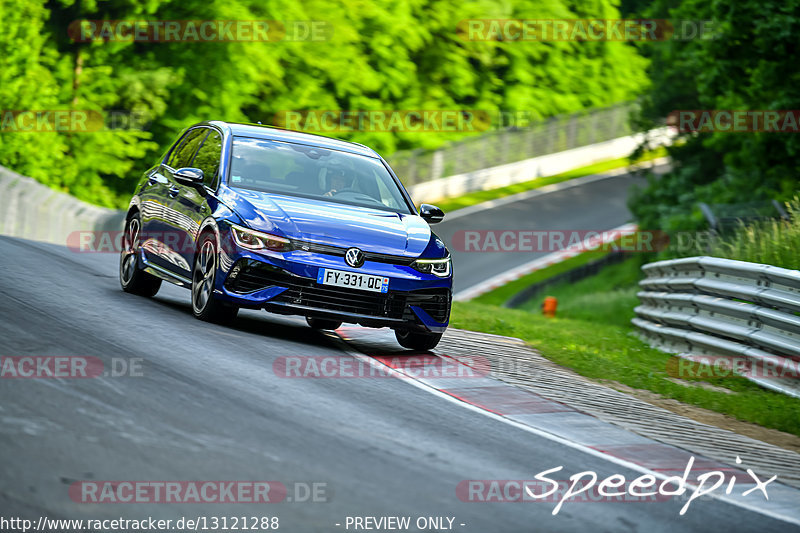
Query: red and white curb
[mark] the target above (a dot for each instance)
(508, 276)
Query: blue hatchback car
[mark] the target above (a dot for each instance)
(258, 217)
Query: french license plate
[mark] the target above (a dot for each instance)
(353, 280)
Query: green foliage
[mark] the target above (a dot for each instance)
(26, 82)
(382, 55)
(749, 65)
(770, 242)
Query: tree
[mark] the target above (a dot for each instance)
(748, 65)
(378, 55)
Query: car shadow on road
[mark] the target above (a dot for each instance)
(250, 321)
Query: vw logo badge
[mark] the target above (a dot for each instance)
(354, 257)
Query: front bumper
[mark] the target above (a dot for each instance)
(286, 283)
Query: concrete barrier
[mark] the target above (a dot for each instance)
(33, 211)
(537, 167)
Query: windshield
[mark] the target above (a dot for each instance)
(313, 172)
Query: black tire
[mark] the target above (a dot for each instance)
(204, 272)
(322, 323)
(417, 340)
(131, 278)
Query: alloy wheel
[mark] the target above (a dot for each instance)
(203, 277)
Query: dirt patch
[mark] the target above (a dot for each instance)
(701, 384)
(786, 441)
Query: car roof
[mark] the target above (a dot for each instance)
(259, 131)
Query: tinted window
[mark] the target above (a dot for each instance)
(314, 172)
(207, 158)
(182, 155)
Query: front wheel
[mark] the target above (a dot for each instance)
(417, 340)
(204, 305)
(131, 277)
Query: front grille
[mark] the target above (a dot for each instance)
(387, 305)
(253, 275)
(339, 252)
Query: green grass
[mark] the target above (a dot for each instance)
(592, 335)
(610, 294)
(477, 197)
(500, 295)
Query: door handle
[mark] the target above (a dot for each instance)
(173, 191)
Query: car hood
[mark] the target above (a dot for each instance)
(330, 223)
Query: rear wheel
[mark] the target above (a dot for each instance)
(204, 305)
(417, 340)
(322, 323)
(131, 277)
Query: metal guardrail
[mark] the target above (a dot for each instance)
(708, 306)
(723, 218)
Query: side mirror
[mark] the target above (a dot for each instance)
(189, 175)
(431, 213)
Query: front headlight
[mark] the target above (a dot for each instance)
(257, 240)
(437, 267)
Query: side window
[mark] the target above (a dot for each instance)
(175, 149)
(182, 155)
(207, 158)
(386, 196)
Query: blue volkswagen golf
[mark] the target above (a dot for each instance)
(248, 216)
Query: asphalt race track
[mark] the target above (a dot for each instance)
(207, 405)
(596, 206)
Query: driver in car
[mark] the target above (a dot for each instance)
(338, 182)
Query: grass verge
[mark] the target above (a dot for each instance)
(477, 197)
(592, 335)
(610, 294)
(501, 294)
